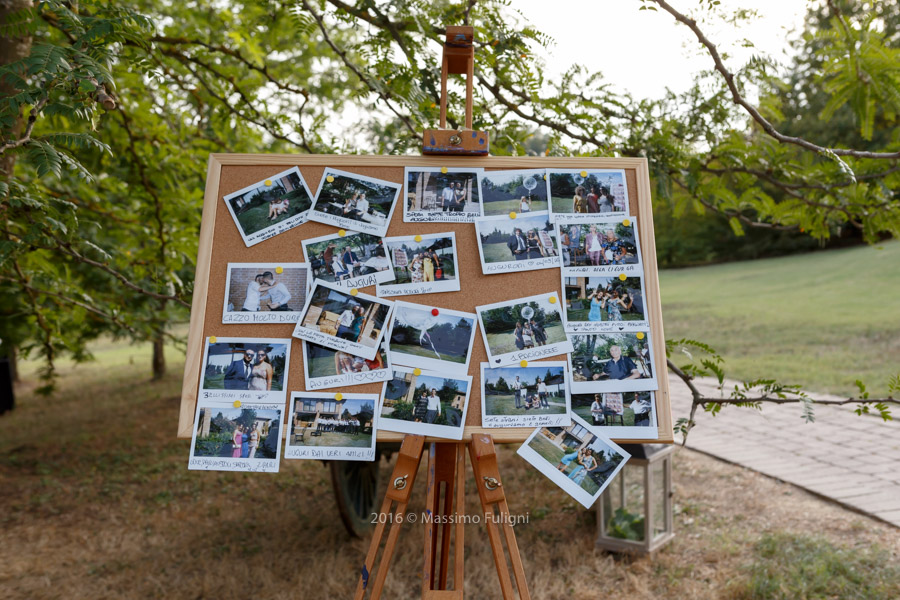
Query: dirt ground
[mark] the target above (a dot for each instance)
(96, 502)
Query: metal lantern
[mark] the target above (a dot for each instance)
(634, 514)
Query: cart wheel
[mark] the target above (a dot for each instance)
(355, 488)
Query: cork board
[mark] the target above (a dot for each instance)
(221, 243)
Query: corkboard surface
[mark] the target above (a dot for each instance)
(221, 243)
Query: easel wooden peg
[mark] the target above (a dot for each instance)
(458, 59)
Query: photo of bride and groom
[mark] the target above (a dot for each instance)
(245, 366)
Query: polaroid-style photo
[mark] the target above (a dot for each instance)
(612, 362)
(425, 404)
(532, 396)
(604, 303)
(599, 246)
(326, 368)
(265, 292)
(580, 460)
(426, 266)
(226, 438)
(525, 243)
(523, 329)
(340, 320)
(436, 196)
(245, 369)
(271, 206)
(624, 415)
(581, 193)
(356, 202)
(521, 191)
(322, 427)
(354, 260)
(418, 337)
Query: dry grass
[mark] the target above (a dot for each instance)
(96, 502)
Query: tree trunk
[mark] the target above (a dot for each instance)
(13, 356)
(159, 356)
(11, 50)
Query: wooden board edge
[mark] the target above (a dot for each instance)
(384, 160)
(190, 385)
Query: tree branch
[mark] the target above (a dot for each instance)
(29, 127)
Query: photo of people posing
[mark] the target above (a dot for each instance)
(355, 202)
(575, 458)
(583, 192)
(265, 292)
(522, 192)
(236, 439)
(442, 195)
(328, 368)
(346, 427)
(428, 403)
(420, 338)
(277, 203)
(523, 329)
(612, 362)
(595, 304)
(533, 396)
(598, 244)
(340, 320)
(246, 364)
(629, 415)
(421, 267)
(525, 243)
(354, 260)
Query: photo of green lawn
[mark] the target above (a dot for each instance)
(416, 350)
(269, 202)
(503, 343)
(502, 191)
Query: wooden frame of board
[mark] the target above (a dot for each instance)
(221, 243)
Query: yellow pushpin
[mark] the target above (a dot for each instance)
(417, 371)
(545, 177)
(443, 169)
(339, 396)
(639, 335)
(626, 222)
(623, 276)
(354, 292)
(330, 178)
(236, 404)
(212, 339)
(342, 233)
(583, 173)
(552, 300)
(513, 215)
(268, 182)
(523, 363)
(279, 270)
(418, 238)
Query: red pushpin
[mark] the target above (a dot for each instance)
(435, 312)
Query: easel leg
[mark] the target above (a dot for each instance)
(399, 488)
(446, 473)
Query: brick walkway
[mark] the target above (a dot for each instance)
(852, 460)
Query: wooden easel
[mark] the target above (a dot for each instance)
(444, 518)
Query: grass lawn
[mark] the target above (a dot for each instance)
(506, 405)
(504, 207)
(585, 413)
(257, 218)
(427, 353)
(581, 314)
(494, 253)
(322, 366)
(821, 320)
(503, 343)
(334, 439)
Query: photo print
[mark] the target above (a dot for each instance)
(612, 362)
(523, 329)
(604, 303)
(532, 396)
(326, 368)
(525, 243)
(340, 320)
(584, 192)
(247, 438)
(622, 415)
(354, 260)
(323, 427)
(600, 246)
(436, 196)
(426, 266)
(271, 206)
(439, 342)
(351, 201)
(265, 292)
(523, 191)
(579, 460)
(245, 369)
(429, 403)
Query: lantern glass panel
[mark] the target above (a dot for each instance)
(658, 501)
(625, 505)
